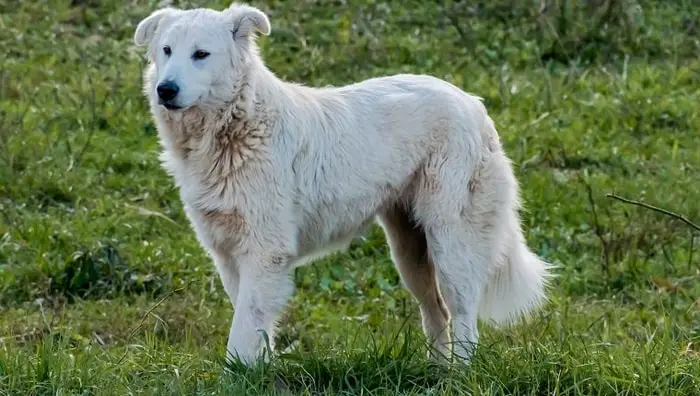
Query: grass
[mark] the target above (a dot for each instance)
(105, 290)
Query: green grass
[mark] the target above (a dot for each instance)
(105, 290)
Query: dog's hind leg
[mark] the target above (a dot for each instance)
(464, 234)
(473, 236)
(409, 252)
(462, 271)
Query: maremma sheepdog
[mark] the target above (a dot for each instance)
(274, 174)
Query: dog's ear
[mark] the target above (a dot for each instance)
(248, 21)
(146, 29)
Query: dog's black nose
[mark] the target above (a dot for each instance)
(167, 90)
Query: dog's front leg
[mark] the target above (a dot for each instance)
(265, 286)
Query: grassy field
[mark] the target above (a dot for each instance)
(105, 290)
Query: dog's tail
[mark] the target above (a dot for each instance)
(517, 286)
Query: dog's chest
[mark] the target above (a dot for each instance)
(221, 231)
(218, 204)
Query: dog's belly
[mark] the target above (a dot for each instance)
(330, 228)
(340, 243)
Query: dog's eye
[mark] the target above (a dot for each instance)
(200, 54)
(167, 51)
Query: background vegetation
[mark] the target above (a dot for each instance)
(104, 289)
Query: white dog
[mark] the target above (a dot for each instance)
(274, 174)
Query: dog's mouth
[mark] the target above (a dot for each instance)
(171, 106)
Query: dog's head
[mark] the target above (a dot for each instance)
(199, 56)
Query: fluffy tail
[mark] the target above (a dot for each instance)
(517, 287)
(519, 281)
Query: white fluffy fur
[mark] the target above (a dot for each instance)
(273, 174)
